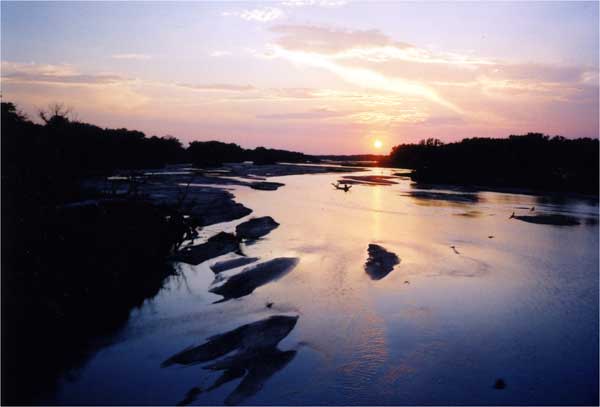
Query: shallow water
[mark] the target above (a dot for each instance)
(441, 328)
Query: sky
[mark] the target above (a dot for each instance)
(317, 76)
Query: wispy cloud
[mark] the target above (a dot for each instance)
(261, 15)
(463, 83)
(54, 74)
(324, 40)
(221, 87)
(138, 57)
(365, 78)
(312, 114)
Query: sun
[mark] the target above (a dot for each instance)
(377, 144)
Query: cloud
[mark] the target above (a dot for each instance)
(388, 118)
(54, 74)
(366, 78)
(223, 87)
(138, 57)
(261, 15)
(437, 121)
(310, 38)
(463, 83)
(312, 114)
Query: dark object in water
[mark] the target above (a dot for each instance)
(406, 282)
(221, 266)
(257, 356)
(470, 214)
(490, 237)
(266, 186)
(500, 384)
(255, 368)
(255, 228)
(380, 262)
(454, 248)
(253, 277)
(549, 219)
(251, 337)
(342, 186)
(269, 305)
(260, 367)
(190, 396)
(219, 244)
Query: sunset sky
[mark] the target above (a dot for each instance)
(318, 76)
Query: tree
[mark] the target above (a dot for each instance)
(55, 114)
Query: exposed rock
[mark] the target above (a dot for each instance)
(256, 356)
(550, 219)
(219, 244)
(499, 384)
(253, 277)
(206, 204)
(255, 228)
(247, 338)
(266, 186)
(380, 262)
(221, 266)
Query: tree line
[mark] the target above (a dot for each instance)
(534, 161)
(51, 158)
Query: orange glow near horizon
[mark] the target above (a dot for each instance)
(377, 144)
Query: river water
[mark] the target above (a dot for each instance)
(512, 300)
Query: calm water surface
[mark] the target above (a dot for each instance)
(441, 328)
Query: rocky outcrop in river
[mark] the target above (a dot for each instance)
(255, 228)
(380, 262)
(253, 277)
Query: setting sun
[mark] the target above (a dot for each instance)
(377, 144)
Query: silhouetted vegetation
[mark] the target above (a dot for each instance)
(215, 153)
(73, 263)
(364, 160)
(533, 161)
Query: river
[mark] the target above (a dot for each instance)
(477, 297)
